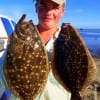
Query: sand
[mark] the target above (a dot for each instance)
(97, 79)
(97, 61)
(93, 91)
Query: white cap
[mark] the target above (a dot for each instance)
(59, 1)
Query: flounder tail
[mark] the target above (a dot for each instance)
(75, 96)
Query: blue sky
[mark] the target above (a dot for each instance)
(80, 13)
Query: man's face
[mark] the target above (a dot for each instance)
(49, 13)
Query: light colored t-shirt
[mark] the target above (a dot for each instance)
(53, 90)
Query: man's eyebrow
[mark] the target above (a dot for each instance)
(55, 4)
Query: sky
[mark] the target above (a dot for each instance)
(80, 13)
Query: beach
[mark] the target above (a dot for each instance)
(91, 37)
(97, 79)
(97, 61)
(93, 91)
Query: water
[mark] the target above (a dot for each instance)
(91, 38)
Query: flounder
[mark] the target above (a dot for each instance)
(72, 64)
(26, 64)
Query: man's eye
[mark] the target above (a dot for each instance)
(56, 7)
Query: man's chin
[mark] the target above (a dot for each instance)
(48, 25)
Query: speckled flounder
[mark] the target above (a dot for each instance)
(26, 64)
(72, 63)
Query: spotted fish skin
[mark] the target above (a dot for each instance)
(72, 64)
(26, 64)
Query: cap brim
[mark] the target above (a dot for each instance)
(60, 2)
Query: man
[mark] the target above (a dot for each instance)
(49, 13)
